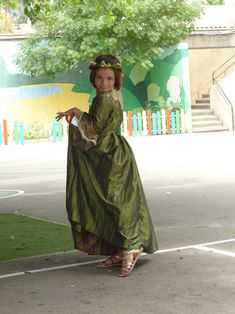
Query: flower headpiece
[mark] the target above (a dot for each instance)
(104, 65)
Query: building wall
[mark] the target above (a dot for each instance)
(210, 45)
(218, 16)
(202, 63)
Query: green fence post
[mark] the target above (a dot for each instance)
(16, 133)
(140, 128)
(159, 123)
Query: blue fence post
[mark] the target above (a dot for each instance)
(0, 134)
(60, 130)
(173, 123)
(178, 121)
(154, 123)
(21, 126)
(135, 129)
(54, 131)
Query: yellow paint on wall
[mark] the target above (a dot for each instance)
(45, 108)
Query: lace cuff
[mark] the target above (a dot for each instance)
(86, 135)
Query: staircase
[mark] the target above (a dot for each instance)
(203, 117)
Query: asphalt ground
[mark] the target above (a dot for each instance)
(189, 181)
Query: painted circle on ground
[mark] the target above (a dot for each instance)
(10, 193)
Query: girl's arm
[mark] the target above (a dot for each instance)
(72, 112)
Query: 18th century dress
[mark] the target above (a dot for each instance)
(105, 200)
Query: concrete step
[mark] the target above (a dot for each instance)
(204, 117)
(199, 112)
(210, 129)
(207, 123)
(203, 101)
(201, 106)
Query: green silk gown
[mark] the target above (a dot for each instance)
(105, 200)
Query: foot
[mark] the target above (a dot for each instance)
(129, 261)
(111, 261)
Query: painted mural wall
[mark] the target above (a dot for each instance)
(27, 99)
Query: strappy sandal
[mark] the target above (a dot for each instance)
(129, 261)
(111, 261)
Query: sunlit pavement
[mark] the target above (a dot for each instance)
(189, 180)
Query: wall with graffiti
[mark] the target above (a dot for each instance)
(27, 99)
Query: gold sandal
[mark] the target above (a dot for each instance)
(129, 260)
(111, 261)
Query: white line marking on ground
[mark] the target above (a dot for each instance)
(208, 249)
(45, 220)
(40, 270)
(196, 246)
(18, 192)
(193, 246)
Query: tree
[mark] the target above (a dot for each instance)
(71, 31)
(6, 5)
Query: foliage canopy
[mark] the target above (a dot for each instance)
(215, 2)
(71, 31)
(5, 19)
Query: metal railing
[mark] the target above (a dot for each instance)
(223, 69)
(229, 63)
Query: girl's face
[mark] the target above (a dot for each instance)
(104, 80)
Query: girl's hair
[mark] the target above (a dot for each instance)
(107, 62)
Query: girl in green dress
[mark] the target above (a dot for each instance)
(105, 200)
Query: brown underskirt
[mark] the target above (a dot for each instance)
(90, 243)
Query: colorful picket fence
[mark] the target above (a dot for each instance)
(134, 124)
(153, 123)
(16, 131)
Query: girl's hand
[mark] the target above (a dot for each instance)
(69, 114)
(68, 117)
(60, 115)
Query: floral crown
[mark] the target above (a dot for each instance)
(104, 65)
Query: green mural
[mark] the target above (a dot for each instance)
(162, 85)
(165, 85)
(15, 80)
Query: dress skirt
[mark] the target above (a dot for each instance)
(105, 200)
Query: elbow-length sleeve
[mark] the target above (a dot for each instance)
(86, 130)
(100, 111)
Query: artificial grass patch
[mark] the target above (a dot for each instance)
(22, 236)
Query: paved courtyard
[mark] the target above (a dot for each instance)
(189, 181)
